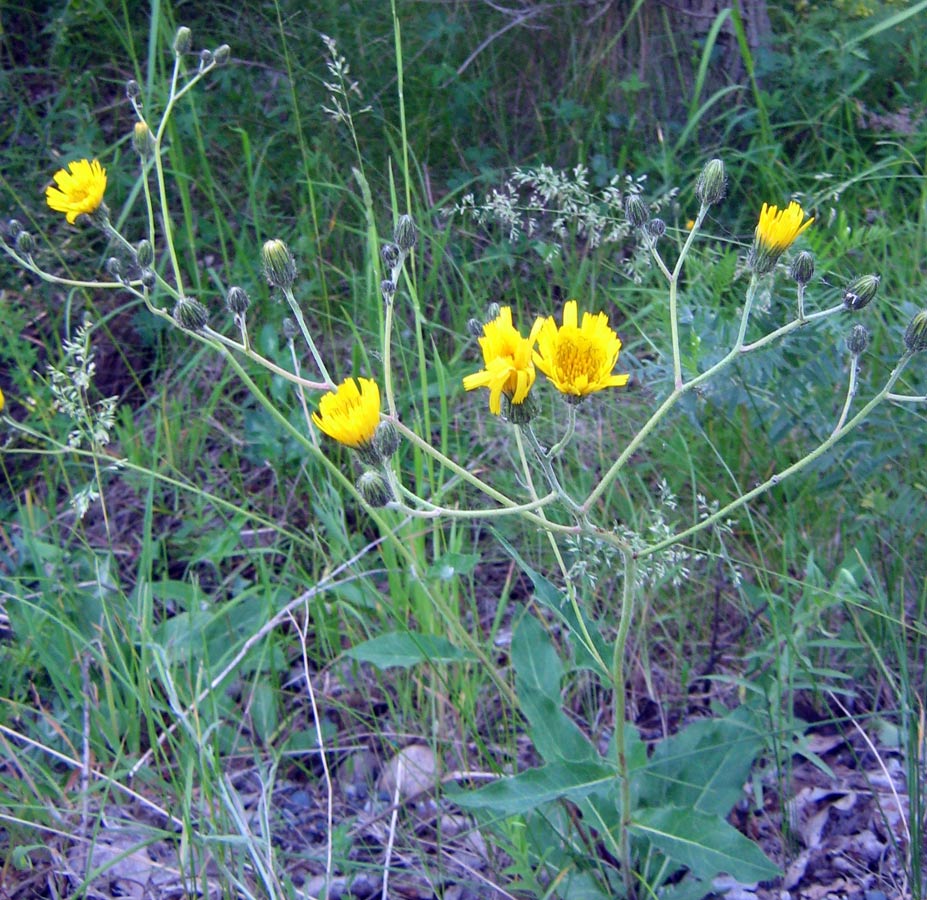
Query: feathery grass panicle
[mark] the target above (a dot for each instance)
(578, 359)
(78, 189)
(509, 368)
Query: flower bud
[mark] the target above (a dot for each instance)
(183, 40)
(385, 440)
(279, 265)
(149, 279)
(915, 336)
(391, 256)
(519, 413)
(655, 228)
(858, 340)
(237, 301)
(405, 234)
(289, 330)
(206, 59)
(635, 211)
(133, 90)
(475, 328)
(142, 140)
(25, 243)
(14, 228)
(374, 488)
(712, 183)
(492, 312)
(802, 268)
(190, 314)
(860, 291)
(222, 54)
(114, 267)
(144, 254)
(387, 289)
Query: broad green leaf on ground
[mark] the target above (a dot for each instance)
(525, 792)
(538, 671)
(703, 766)
(408, 648)
(705, 844)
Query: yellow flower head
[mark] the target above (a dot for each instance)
(507, 357)
(79, 189)
(775, 233)
(2, 401)
(351, 413)
(578, 359)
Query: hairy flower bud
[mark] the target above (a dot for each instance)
(860, 291)
(655, 228)
(279, 265)
(183, 40)
(222, 54)
(14, 228)
(206, 59)
(915, 336)
(142, 140)
(385, 440)
(144, 254)
(190, 314)
(635, 211)
(712, 183)
(289, 330)
(802, 267)
(391, 256)
(149, 279)
(374, 488)
(405, 234)
(25, 243)
(114, 267)
(237, 301)
(387, 289)
(133, 90)
(857, 340)
(475, 328)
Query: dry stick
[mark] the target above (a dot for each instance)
(76, 764)
(302, 631)
(875, 753)
(262, 632)
(400, 770)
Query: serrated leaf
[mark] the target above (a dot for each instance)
(705, 844)
(408, 648)
(526, 791)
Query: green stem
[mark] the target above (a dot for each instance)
(779, 477)
(618, 675)
(307, 337)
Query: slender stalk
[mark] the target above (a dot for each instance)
(619, 668)
(307, 337)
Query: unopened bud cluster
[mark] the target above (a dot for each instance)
(383, 444)
(393, 254)
(374, 488)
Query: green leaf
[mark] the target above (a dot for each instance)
(525, 792)
(703, 766)
(705, 844)
(538, 671)
(407, 648)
